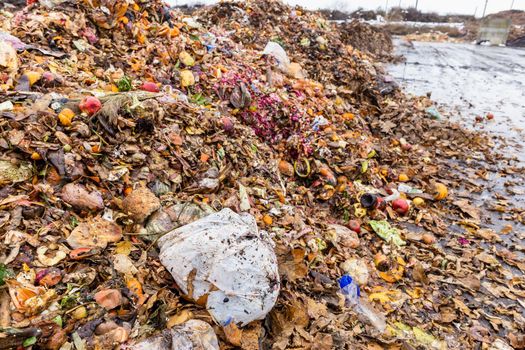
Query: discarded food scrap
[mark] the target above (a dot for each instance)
(241, 178)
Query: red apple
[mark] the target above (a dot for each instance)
(490, 116)
(400, 206)
(150, 86)
(355, 226)
(90, 105)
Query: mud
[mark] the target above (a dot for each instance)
(469, 81)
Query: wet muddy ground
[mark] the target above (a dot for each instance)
(468, 81)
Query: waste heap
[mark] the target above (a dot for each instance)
(122, 121)
(516, 36)
(367, 38)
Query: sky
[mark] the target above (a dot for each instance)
(440, 6)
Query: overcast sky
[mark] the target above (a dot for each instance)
(441, 6)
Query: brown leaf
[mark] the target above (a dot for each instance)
(387, 126)
(291, 263)
(464, 206)
(233, 334)
(296, 313)
(419, 274)
(506, 229)
(323, 341)
(95, 233)
(57, 339)
(487, 258)
(250, 337)
(5, 315)
(77, 196)
(179, 318)
(471, 282)
(487, 234)
(517, 341)
(316, 309)
(447, 315)
(460, 305)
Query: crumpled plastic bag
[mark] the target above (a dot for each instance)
(293, 69)
(223, 256)
(433, 113)
(276, 51)
(191, 335)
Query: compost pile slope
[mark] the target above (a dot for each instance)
(309, 38)
(367, 38)
(113, 110)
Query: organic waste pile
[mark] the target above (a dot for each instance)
(130, 131)
(367, 38)
(516, 36)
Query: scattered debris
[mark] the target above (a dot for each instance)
(132, 138)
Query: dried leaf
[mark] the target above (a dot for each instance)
(233, 334)
(95, 233)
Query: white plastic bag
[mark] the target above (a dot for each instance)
(293, 69)
(224, 252)
(191, 335)
(276, 51)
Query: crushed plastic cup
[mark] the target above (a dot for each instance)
(408, 189)
(395, 195)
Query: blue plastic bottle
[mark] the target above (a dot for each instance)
(350, 289)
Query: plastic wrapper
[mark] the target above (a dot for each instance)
(276, 51)
(191, 335)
